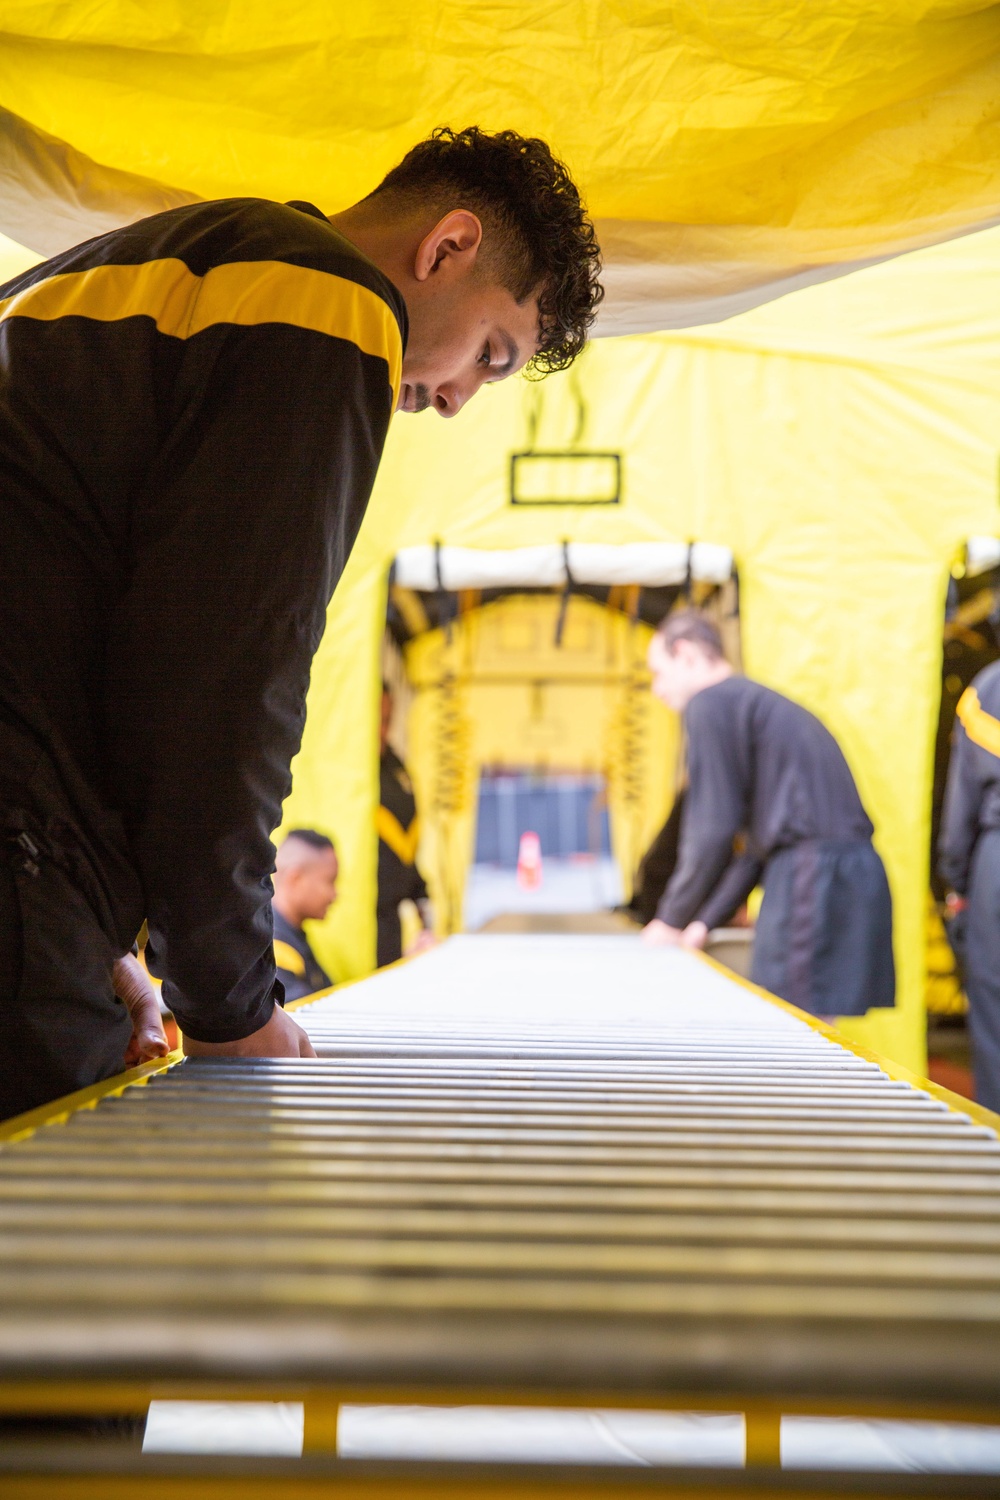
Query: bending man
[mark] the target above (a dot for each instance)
(192, 412)
(765, 773)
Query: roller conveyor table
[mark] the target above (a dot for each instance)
(568, 1171)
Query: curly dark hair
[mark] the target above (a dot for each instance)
(535, 228)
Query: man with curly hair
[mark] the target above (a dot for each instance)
(192, 412)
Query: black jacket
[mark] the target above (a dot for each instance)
(299, 970)
(657, 866)
(763, 771)
(192, 412)
(972, 798)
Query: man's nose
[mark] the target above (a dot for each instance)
(449, 399)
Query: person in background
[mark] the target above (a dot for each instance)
(305, 887)
(766, 778)
(398, 834)
(969, 859)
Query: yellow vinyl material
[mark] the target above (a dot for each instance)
(730, 150)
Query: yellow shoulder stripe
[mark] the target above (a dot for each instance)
(288, 958)
(402, 841)
(982, 728)
(242, 292)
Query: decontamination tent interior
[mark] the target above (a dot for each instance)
(842, 441)
(502, 1175)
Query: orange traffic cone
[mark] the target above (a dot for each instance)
(529, 862)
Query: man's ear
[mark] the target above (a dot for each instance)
(454, 241)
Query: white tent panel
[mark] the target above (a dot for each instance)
(651, 564)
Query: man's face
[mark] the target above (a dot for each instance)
(673, 679)
(469, 336)
(316, 885)
(465, 328)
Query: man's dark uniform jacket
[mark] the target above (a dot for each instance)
(970, 863)
(770, 796)
(299, 970)
(192, 412)
(657, 866)
(398, 835)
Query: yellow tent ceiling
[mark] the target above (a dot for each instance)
(730, 149)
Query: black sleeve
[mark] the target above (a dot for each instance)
(657, 865)
(418, 886)
(241, 532)
(732, 890)
(397, 880)
(715, 808)
(960, 816)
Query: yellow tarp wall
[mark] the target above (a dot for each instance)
(843, 441)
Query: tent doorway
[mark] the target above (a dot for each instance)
(531, 664)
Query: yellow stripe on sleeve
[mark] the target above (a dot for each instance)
(164, 290)
(261, 291)
(246, 293)
(982, 728)
(402, 841)
(288, 958)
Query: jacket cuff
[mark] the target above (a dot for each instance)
(234, 1029)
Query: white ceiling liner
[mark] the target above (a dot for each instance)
(651, 564)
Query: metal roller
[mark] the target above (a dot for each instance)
(529, 1164)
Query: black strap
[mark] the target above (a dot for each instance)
(445, 612)
(568, 588)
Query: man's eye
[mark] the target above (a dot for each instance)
(486, 355)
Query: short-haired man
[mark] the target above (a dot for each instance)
(192, 412)
(305, 887)
(764, 772)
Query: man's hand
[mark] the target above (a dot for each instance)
(956, 918)
(423, 941)
(280, 1037)
(695, 935)
(132, 985)
(659, 935)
